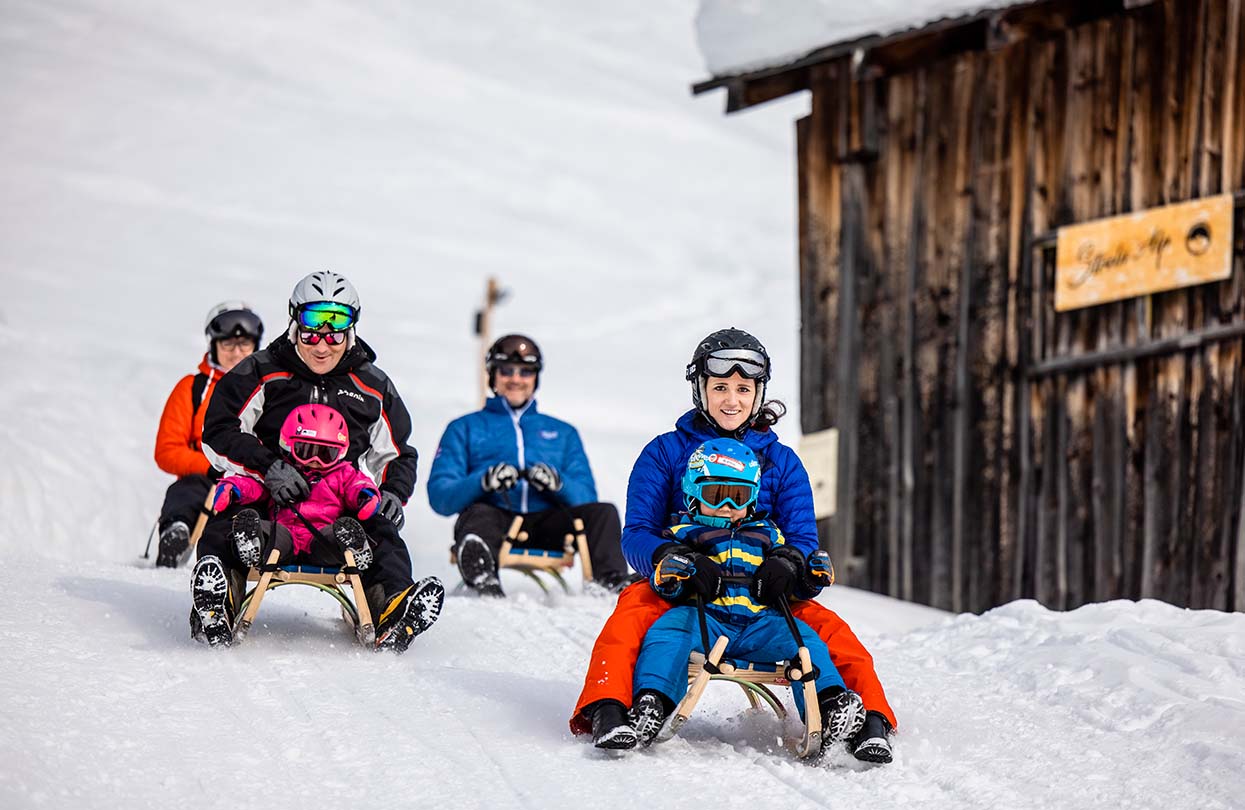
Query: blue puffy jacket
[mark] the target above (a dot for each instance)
(496, 433)
(654, 491)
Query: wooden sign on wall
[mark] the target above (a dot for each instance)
(820, 453)
(1144, 252)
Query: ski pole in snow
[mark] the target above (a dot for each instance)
(151, 534)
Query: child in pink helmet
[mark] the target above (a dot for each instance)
(315, 439)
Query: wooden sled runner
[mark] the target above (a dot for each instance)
(755, 679)
(516, 555)
(343, 584)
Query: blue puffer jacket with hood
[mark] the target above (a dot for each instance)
(655, 494)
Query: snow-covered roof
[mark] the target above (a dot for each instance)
(740, 36)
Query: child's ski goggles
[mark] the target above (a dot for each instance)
(716, 494)
(314, 454)
(337, 317)
(312, 338)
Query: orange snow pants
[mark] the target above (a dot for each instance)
(618, 646)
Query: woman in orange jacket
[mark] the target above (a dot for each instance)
(233, 331)
(728, 373)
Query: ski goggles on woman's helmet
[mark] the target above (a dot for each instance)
(312, 338)
(716, 494)
(750, 364)
(337, 317)
(235, 323)
(314, 454)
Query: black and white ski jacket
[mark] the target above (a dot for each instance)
(240, 431)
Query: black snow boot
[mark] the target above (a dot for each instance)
(477, 566)
(610, 727)
(210, 619)
(842, 713)
(870, 743)
(174, 542)
(409, 613)
(648, 714)
(248, 537)
(350, 535)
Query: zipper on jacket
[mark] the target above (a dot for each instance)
(515, 416)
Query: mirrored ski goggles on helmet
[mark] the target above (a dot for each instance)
(716, 494)
(312, 338)
(315, 454)
(723, 362)
(337, 317)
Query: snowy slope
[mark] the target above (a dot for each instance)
(159, 157)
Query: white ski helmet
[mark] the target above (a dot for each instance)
(324, 285)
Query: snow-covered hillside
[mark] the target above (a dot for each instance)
(159, 157)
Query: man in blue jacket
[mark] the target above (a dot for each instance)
(508, 459)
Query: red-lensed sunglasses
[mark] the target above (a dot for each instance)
(312, 338)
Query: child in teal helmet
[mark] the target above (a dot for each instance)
(734, 560)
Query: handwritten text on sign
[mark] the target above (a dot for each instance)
(1146, 252)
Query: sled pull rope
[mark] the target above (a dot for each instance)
(794, 672)
(710, 665)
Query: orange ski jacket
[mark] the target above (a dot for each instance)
(180, 436)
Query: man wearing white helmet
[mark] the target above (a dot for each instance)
(319, 359)
(233, 332)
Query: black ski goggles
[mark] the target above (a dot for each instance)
(750, 364)
(236, 323)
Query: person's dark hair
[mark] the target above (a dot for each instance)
(770, 413)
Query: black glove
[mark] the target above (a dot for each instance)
(704, 578)
(391, 509)
(544, 477)
(777, 576)
(285, 483)
(499, 477)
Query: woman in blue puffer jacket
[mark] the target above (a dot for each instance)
(728, 373)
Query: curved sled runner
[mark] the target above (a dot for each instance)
(516, 555)
(754, 678)
(342, 583)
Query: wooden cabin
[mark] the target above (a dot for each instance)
(996, 443)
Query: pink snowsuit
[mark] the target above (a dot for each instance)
(334, 494)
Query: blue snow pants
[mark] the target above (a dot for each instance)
(662, 664)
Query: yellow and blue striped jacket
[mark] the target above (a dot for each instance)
(739, 551)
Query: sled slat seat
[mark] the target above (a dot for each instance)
(313, 574)
(529, 560)
(339, 582)
(755, 678)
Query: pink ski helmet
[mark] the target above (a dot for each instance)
(316, 436)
